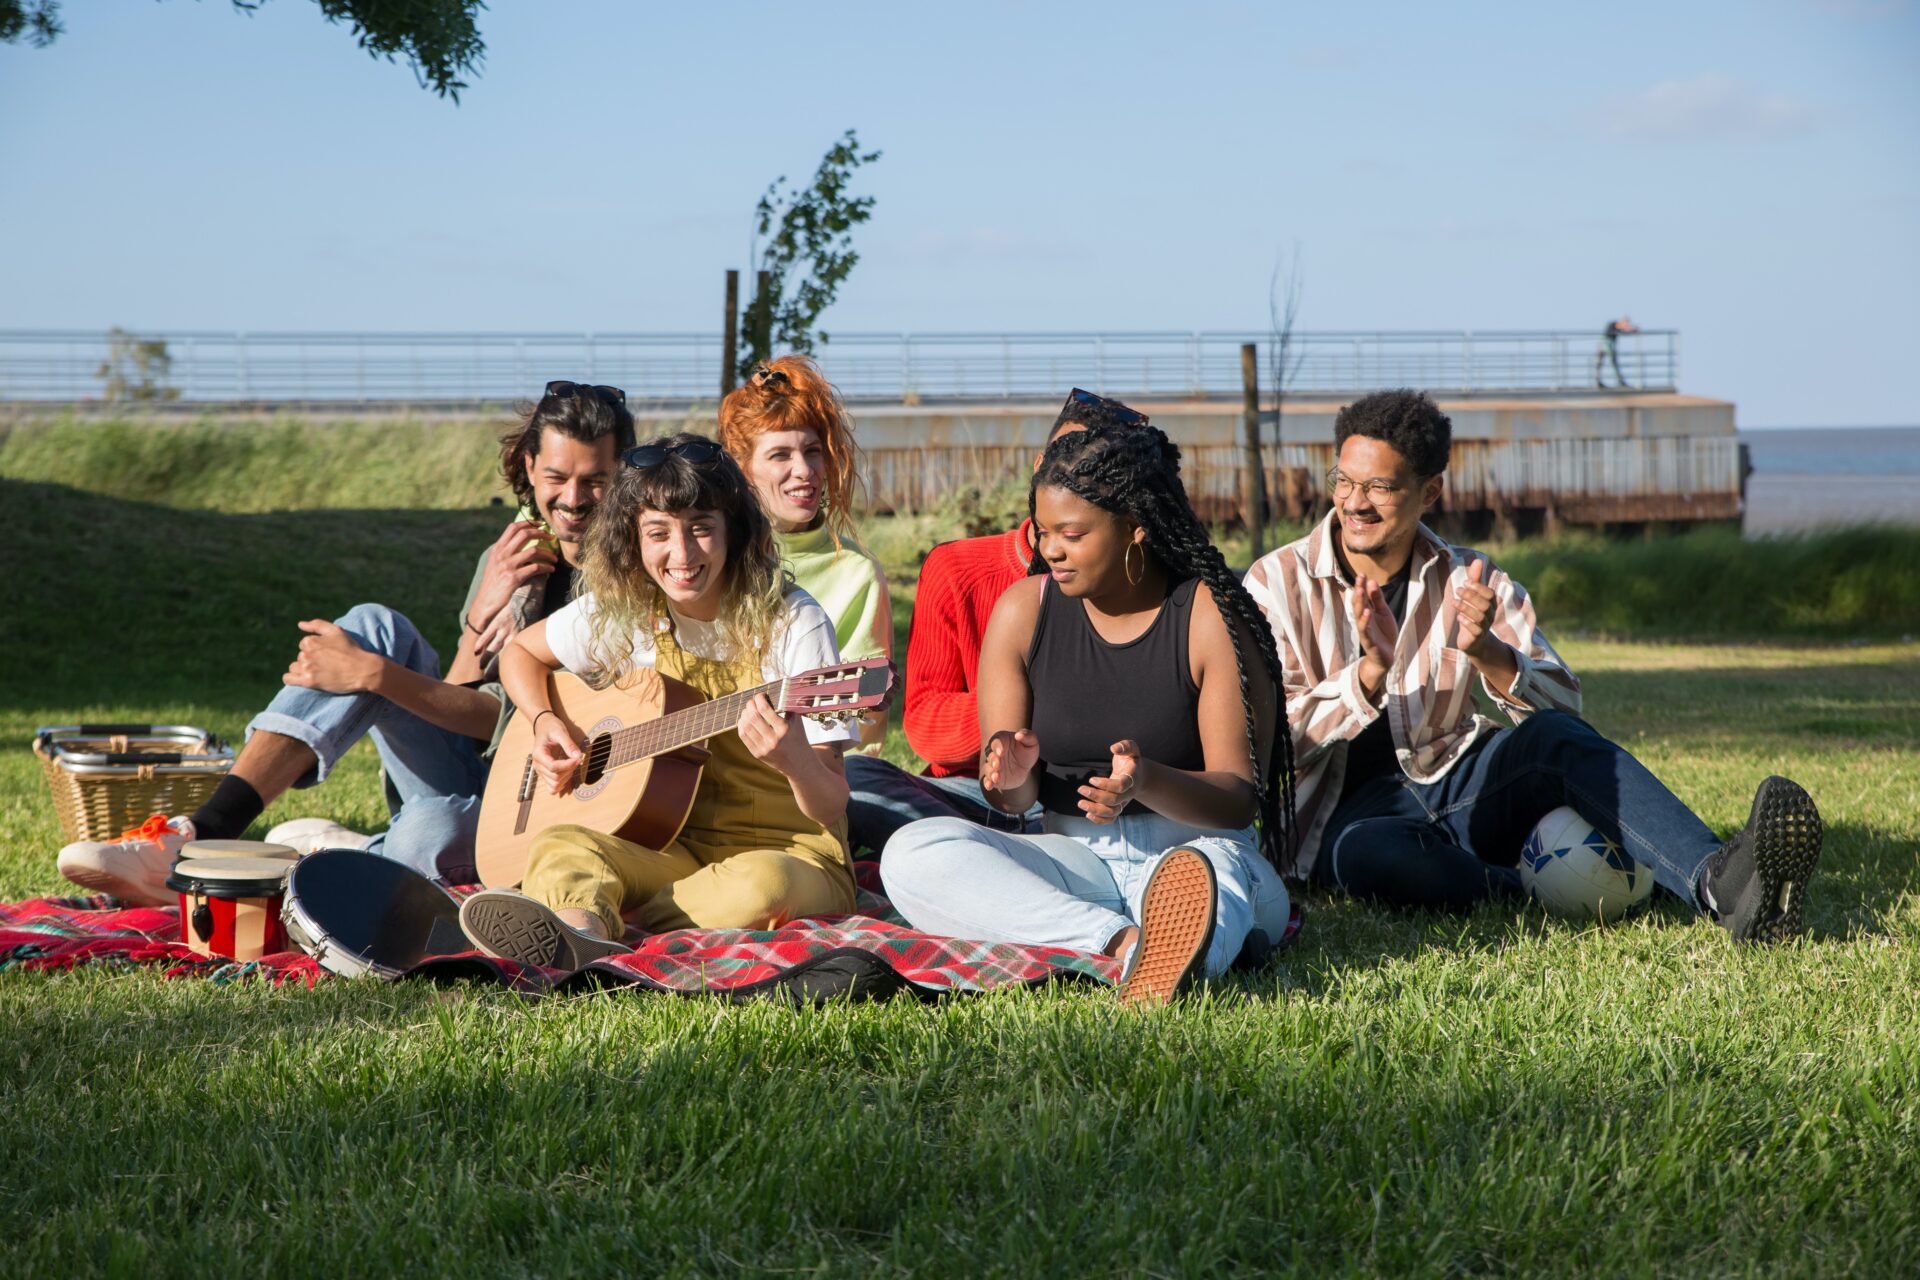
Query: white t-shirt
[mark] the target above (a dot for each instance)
(803, 642)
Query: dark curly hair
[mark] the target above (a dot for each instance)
(1134, 472)
(585, 418)
(1406, 420)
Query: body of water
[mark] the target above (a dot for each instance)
(1813, 477)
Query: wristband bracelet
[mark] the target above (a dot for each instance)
(535, 726)
(469, 621)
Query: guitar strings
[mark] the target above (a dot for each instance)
(633, 743)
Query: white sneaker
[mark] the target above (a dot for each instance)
(304, 835)
(133, 868)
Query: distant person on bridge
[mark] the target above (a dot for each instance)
(371, 672)
(1407, 796)
(1610, 350)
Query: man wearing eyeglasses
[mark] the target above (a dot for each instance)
(371, 672)
(959, 585)
(1405, 794)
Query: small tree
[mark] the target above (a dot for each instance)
(807, 254)
(136, 368)
(1283, 308)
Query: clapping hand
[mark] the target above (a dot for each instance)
(1007, 759)
(1473, 605)
(1103, 799)
(1379, 633)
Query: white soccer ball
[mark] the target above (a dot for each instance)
(1574, 871)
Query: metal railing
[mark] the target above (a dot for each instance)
(199, 367)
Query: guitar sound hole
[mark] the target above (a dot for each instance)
(595, 767)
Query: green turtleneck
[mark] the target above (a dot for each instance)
(849, 585)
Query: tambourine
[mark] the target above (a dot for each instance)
(359, 914)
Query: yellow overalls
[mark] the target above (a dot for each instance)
(747, 858)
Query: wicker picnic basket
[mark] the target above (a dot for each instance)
(106, 778)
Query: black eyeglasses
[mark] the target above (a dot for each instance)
(652, 455)
(561, 389)
(1131, 417)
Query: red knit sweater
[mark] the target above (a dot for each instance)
(959, 585)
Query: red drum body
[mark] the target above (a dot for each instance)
(231, 906)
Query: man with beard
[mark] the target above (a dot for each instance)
(371, 672)
(1408, 796)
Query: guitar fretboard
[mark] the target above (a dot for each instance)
(671, 732)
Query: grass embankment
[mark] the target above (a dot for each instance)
(1707, 584)
(1399, 1095)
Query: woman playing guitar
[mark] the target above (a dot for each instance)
(1139, 709)
(680, 574)
(787, 429)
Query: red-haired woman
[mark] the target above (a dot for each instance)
(789, 432)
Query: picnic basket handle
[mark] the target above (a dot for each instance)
(141, 757)
(114, 730)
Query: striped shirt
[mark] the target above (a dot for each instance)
(1428, 695)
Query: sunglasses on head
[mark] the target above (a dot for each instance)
(561, 389)
(1132, 417)
(652, 455)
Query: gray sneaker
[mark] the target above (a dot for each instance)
(1756, 883)
(512, 926)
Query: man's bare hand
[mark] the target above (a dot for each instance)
(1379, 634)
(1474, 606)
(331, 661)
(518, 556)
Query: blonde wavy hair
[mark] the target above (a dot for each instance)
(627, 601)
(789, 393)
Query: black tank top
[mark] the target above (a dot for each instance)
(1088, 695)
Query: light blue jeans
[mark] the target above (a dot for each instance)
(435, 774)
(1076, 884)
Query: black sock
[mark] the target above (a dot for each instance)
(230, 810)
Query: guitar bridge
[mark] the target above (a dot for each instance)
(528, 780)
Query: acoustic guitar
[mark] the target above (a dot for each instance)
(644, 751)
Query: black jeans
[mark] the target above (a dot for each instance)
(1450, 844)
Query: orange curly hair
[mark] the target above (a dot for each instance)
(789, 393)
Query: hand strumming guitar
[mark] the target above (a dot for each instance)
(556, 752)
(1007, 759)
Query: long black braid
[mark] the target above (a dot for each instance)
(1135, 472)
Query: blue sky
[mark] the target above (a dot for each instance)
(1746, 173)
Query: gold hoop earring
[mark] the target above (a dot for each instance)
(1126, 563)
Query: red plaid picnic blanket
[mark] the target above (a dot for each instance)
(871, 954)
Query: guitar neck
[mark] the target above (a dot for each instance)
(669, 733)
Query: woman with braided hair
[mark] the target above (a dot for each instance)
(1140, 711)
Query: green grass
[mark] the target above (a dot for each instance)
(1399, 1095)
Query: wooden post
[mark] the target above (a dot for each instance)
(730, 335)
(1253, 480)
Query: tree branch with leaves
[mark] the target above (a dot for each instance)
(440, 39)
(806, 255)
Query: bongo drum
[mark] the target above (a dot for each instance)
(231, 906)
(194, 849)
(359, 914)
